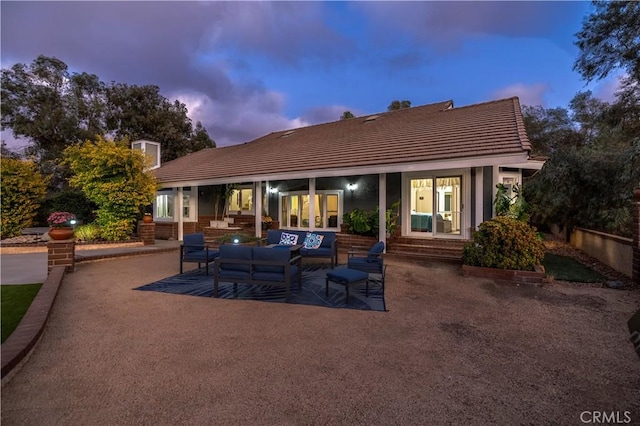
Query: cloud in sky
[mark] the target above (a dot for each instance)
(248, 68)
(529, 95)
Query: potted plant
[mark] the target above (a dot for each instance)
(61, 224)
(221, 196)
(266, 222)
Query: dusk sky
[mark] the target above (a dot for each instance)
(245, 69)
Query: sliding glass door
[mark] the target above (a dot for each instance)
(435, 205)
(295, 210)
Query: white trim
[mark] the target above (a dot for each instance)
(382, 209)
(479, 196)
(180, 218)
(257, 206)
(438, 165)
(312, 204)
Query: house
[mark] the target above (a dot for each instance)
(441, 162)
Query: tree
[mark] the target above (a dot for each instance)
(112, 175)
(6, 152)
(34, 105)
(396, 105)
(53, 109)
(347, 114)
(200, 139)
(549, 129)
(23, 188)
(141, 112)
(586, 187)
(610, 39)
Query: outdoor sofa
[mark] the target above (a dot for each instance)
(239, 264)
(328, 247)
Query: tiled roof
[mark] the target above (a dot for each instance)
(425, 133)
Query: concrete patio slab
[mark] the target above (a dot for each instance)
(451, 350)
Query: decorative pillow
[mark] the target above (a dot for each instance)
(312, 241)
(288, 239)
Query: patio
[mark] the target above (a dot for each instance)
(450, 350)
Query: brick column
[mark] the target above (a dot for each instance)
(61, 253)
(147, 232)
(635, 273)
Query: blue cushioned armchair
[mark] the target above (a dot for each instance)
(194, 250)
(370, 261)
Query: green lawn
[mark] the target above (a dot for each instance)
(568, 269)
(14, 302)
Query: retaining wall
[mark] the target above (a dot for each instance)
(612, 250)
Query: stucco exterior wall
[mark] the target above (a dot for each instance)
(617, 252)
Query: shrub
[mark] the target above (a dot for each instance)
(113, 176)
(89, 232)
(70, 200)
(22, 189)
(504, 243)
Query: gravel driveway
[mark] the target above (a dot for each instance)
(451, 350)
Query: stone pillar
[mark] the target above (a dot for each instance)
(61, 253)
(635, 272)
(147, 233)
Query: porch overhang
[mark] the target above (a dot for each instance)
(511, 160)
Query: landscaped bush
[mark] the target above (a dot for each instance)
(70, 200)
(89, 232)
(504, 243)
(360, 222)
(113, 176)
(22, 189)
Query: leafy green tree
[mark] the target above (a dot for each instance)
(609, 40)
(112, 176)
(141, 112)
(347, 114)
(44, 103)
(396, 105)
(53, 108)
(23, 188)
(6, 152)
(588, 188)
(549, 129)
(68, 200)
(201, 139)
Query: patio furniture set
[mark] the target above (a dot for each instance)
(277, 260)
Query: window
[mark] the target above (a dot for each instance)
(241, 200)
(164, 206)
(151, 150)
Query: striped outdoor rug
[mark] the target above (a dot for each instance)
(196, 283)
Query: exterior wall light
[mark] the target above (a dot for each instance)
(352, 186)
(273, 190)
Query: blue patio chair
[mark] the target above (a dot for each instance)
(369, 261)
(194, 250)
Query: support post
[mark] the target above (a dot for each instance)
(61, 253)
(147, 233)
(382, 210)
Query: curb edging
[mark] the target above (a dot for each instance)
(20, 343)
